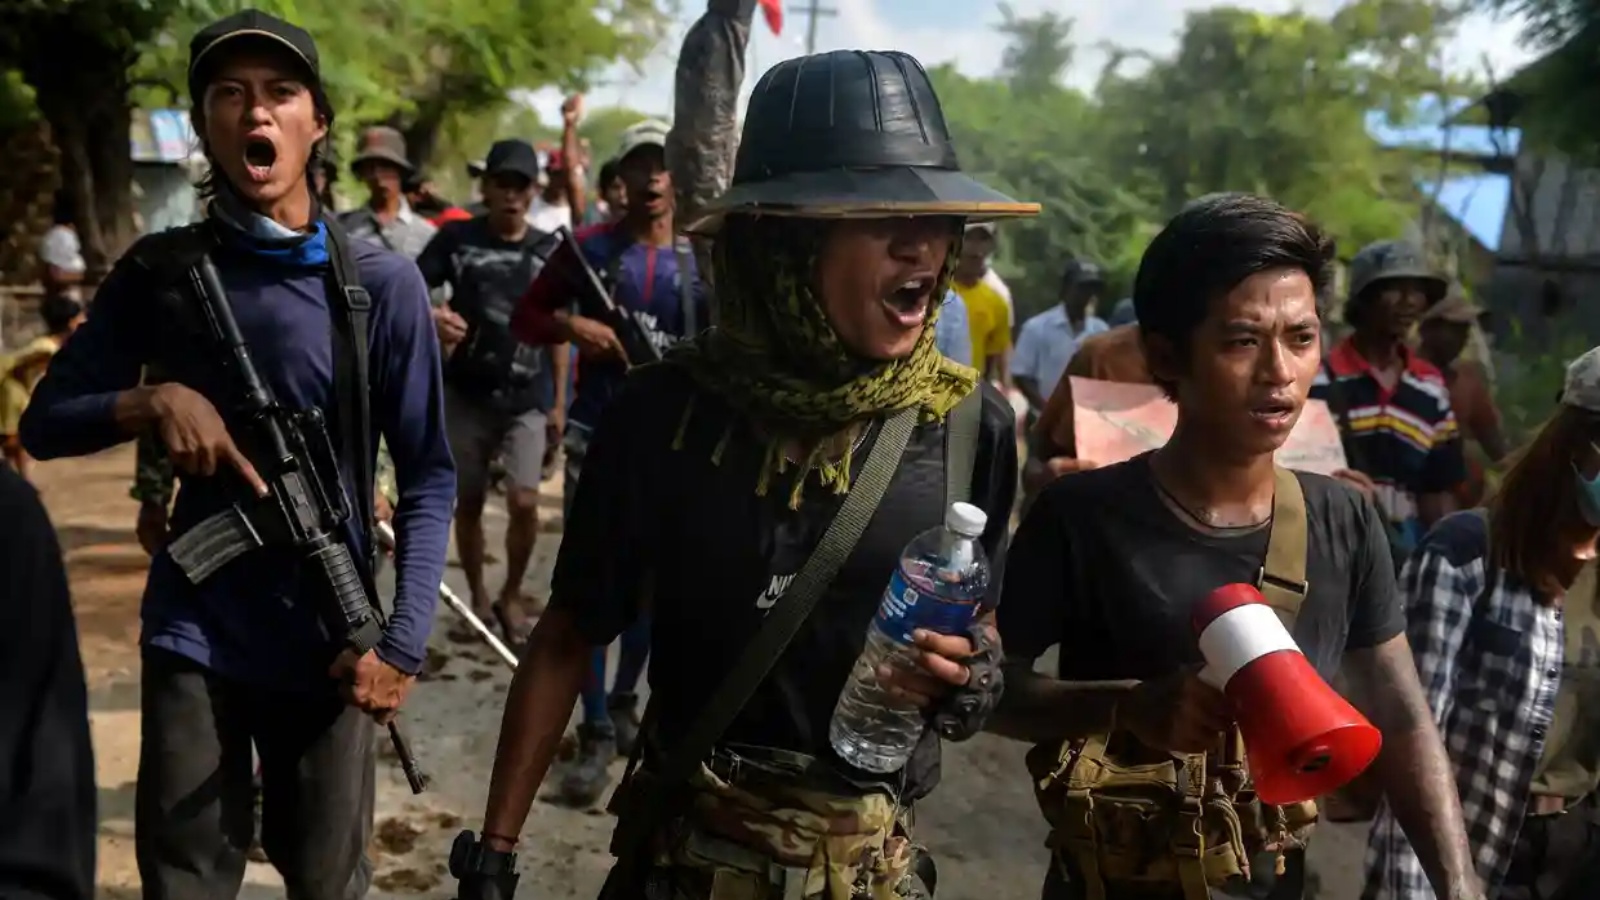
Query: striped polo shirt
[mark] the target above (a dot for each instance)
(1405, 438)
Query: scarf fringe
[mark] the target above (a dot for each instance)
(834, 474)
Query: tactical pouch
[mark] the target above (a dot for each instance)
(1135, 820)
(646, 834)
(757, 831)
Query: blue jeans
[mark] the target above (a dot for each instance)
(635, 640)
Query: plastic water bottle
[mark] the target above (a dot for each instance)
(941, 581)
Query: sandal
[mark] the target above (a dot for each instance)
(516, 638)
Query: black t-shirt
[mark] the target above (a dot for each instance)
(1104, 568)
(714, 556)
(47, 792)
(488, 275)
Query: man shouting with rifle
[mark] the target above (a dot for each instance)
(647, 297)
(288, 349)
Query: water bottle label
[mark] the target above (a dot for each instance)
(905, 609)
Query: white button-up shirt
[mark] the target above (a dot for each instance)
(1046, 344)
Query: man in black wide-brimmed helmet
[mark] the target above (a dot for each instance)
(729, 491)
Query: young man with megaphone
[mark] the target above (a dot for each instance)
(1141, 572)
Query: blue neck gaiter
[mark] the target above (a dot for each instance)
(245, 229)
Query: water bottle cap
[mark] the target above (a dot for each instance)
(966, 520)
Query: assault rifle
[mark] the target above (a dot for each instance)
(305, 507)
(573, 276)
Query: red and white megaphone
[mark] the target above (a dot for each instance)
(1302, 739)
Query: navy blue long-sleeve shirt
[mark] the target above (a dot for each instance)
(254, 619)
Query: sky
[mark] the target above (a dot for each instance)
(962, 32)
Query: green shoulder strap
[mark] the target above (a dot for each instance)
(961, 447)
(1282, 579)
(646, 810)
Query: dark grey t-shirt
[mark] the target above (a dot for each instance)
(1105, 569)
(680, 522)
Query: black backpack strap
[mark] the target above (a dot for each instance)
(651, 799)
(686, 287)
(961, 447)
(351, 307)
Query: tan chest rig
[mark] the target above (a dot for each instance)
(1141, 822)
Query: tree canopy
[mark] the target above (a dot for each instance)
(421, 65)
(1276, 104)
(424, 66)
(1248, 101)
(1553, 100)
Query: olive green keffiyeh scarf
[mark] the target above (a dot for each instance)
(774, 358)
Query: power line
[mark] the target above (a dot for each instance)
(813, 12)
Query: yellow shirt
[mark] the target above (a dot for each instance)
(989, 319)
(19, 372)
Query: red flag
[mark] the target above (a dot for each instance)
(773, 10)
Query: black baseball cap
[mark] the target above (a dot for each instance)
(513, 157)
(1082, 271)
(255, 25)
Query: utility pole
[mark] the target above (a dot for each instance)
(814, 11)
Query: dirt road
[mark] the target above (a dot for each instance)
(981, 824)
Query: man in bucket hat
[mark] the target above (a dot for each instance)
(1392, 405)
(244, 658)
(714, 476)
(387, 218)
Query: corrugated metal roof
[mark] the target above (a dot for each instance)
(1478, 202)
(1426, 130)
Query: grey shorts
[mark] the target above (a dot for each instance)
(478, 435)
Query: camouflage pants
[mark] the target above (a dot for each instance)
(153, 477)
(681, 883)
(754, 832)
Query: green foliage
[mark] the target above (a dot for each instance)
(422, 62)
(1556, 96)
(1275, 104)
(1035, 147)
(1039, 50)
(16, 101)
(31, 28)
(466, 137)
(1551, 23)
(1530, 376)
(603, 129)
